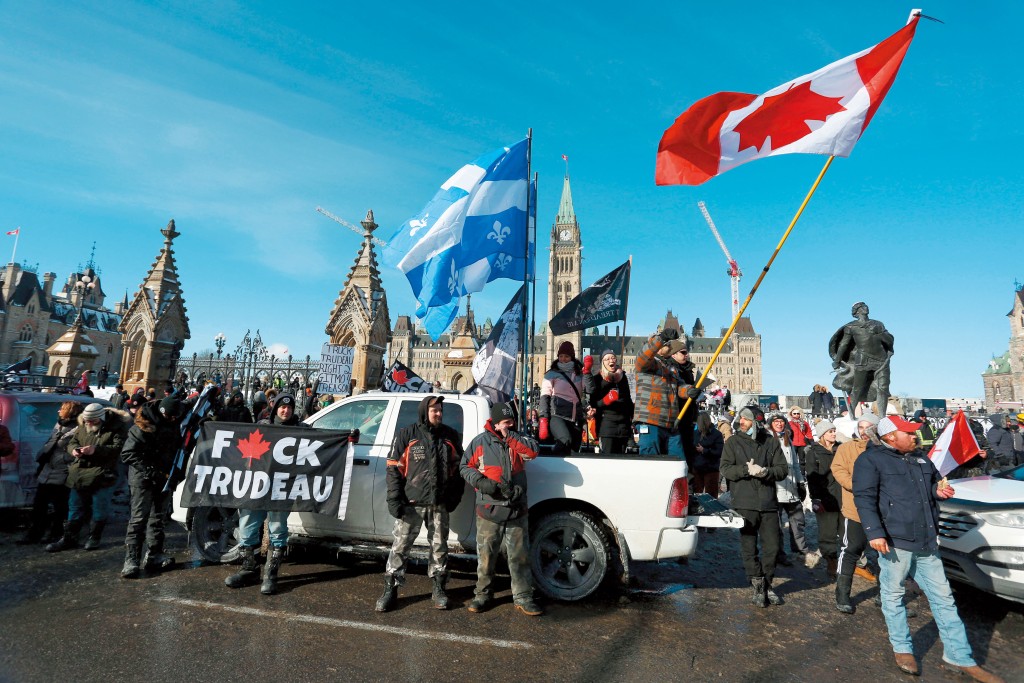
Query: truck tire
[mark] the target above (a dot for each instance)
(569, 555)
(214, 536)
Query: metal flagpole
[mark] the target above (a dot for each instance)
(739, 314)
(533, 304)
(524, 338)
(17, 234)
(622, 341)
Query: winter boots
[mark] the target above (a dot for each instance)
(95, 532)
(843, 586)
(758, 597)
(69, 539)
(270, 569)
(831, 568)
(386, 602)
(528, 607)
(770, 595)
(130, 570)
(156, 561)
(439, 597)
(248, 574)
(480, 603)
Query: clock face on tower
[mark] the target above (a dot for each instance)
(564, 235)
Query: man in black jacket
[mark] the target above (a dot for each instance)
(235, 410)
(896, 489)
(424, 486)
(752, 462)
(153, 440)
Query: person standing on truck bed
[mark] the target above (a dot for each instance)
(562, 411)
(660, 383)
(752, 462)
(494, 466)
(612, 402)
(424, 486)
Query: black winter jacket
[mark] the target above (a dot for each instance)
(820, 480)
(423, 466)
(748, 492)
(713, 444)
(895, 497)
(613, 420)
(152, 444)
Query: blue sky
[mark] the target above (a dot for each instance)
(238, 119)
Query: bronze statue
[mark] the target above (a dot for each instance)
(860, 352)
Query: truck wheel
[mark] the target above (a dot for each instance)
(214, 534)
(569, 555)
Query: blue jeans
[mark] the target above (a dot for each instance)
(926, 568)
(660, 441)
(82, 504)
(251, 521)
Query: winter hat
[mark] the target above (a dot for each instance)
(259, 397)
(170, 407)
(503, 411)
(567, 348)
(675, 346)
(869, 417)
(822, 427)
(608, 352)
(94, 411)
(748, 413)
(771, 417)
(283, 399)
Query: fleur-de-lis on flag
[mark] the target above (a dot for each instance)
(453, 280)
(501, 263)
(499, 232)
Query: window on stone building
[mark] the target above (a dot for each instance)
(31, 308)
(26, 334)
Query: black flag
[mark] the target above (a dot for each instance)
(494, 367)
(602, 302)
(22, 367)
(401, 379)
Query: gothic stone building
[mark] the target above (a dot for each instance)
(33, 316)
(1004, 376)
(445, 361)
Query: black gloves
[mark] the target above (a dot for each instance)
(669, 334)
(396, 507)
(517, 493)
(487, 486)
(801, 490)
(692, 392)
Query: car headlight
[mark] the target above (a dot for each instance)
(1010, 518)
(1011, 558)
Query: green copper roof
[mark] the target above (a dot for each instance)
(566, 214)
(999, 365)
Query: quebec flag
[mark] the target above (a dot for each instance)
(473, 231)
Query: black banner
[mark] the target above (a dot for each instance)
(602, 302)
(494, 367)
(401, 380)
(270, 467)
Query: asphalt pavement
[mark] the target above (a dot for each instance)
(70, 617)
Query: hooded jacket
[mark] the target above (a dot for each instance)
(842, 470)
(613, 420)
(272, 419)
(232, 412)
(423, 466)
(500, 459)
(750, 492)
(98, 470)
(151, 444)
(53, 457)
(895, 496)
(820, 480)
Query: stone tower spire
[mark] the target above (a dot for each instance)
(565, 268)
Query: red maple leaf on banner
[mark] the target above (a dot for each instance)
(400, 377)
(253, 447)
(783, 117)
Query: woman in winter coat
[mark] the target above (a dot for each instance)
(562, 411)
(708, 442)
(612, 404)
(815, 399)
(53, 460)
(790, 491)
(826, 494)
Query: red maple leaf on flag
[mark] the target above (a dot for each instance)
(253, 447)
(783, 117)
(400, 377)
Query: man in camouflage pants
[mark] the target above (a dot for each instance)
(424, 486)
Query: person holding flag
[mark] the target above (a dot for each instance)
(896, 489)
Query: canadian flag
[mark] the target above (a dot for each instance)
(821, 113)
(955, 446)
(14, 232)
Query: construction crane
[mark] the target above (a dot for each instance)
(353, 228)
(734, 271)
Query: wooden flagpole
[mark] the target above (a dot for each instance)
(739, 314)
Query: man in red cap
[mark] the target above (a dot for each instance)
(895, 487)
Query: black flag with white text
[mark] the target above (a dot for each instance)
(602, 302)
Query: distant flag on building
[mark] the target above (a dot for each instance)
(16, 231)
(602, 302)
(472, 232)
(494, 368)
(401, 380)
(821, 113)
(955, 446)
(565, 158)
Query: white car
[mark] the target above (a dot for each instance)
(981, 533)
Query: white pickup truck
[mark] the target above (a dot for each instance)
(588, 513)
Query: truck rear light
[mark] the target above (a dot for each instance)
(678, 498)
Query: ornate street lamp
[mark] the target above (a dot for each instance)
(220, 340)
(82, 286)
